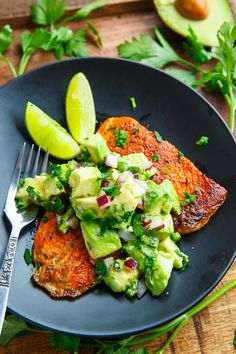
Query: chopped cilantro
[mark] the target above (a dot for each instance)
(28, 257)
(234, 342)
(155, 157)
(33, 193)
(85, 155)
(202, 141)
(136, 225)
(54, 205)
(112, 191)
(158, 136)
(100, 268)
(133, 102)
(189, 198)
(180, 156)
(134, 169)
(121, 138)
(59, 185)
(44, 219)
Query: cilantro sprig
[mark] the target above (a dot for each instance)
(158, 53)
(6, 39)
(14, 326)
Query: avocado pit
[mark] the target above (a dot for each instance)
(192, 9)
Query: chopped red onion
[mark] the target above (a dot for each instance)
(105, 183)
(111, 160)
(148, 165)
(146, 223)
(131, 263)
(109, 262)
(126, 235)
(136, 175)
(141, 288)
(103, 201)
(142, 184)
(156, 227)
(141, 204)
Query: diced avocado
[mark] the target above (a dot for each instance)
(173, 201)
(52, 186)
(98, 244)
(157, 276)
(67, 221)
(163, 232)
(175, 237)
(86, 206)
(168, 246)
(97, 147)
(138, 160)
(85, 181)
(63, 171)
(206, 30)
(161, 198)
(31, 191)
(127, 200)
(122, 279)
(143, 250)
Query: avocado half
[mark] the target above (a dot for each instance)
(206, 29)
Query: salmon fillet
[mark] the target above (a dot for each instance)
(64, 266)
(184, 175)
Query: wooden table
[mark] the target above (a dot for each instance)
(212, 330)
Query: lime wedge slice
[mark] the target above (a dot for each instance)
(80, 110)
(49, 134)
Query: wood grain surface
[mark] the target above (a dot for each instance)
(211, 331)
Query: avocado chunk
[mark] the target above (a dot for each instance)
(137, 160)
(165, 221)
(180, 259)
(157, 276)
(85, 181)
(96, 146)
(206, 30)
(161, 198)
(52, 186)
(97, 243)
(87, 208)
(121, 278)
(127, 200)
(31, 191)
(143, 250)
(63, 171)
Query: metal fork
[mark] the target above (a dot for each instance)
(18, 220)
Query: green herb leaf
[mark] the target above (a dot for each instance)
(195, 49)
(33, 193)
(65, 342)
(100, 268)
(44, 219)
(133, 102)
(234, 342)
(148, 51)
(136, 225)
(186, 76)
(158, 136)
(112, 191)
(86, 10)
(202, 141)
(54, 205)
(93, 28)
(76, 46)
(189, 198)
(47, 12)
(121, 138)
(6, 38)
(28, 257)
(180, 156)
(155, 157)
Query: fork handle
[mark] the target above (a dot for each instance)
(6, 272)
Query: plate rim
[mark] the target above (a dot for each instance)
(138, 329)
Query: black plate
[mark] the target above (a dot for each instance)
(181, 116)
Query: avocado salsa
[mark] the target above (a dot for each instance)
(125, 218)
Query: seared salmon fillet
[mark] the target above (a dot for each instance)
(184, 175)
(63, 264)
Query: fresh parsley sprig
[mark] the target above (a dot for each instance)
(6, 38)
(14, 326)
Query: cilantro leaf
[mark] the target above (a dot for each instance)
(6, 38)
(158, 136)
(112, 191)
(189, 198)
(121, 137)
(28, 257)
(100, 268)
(94, 30)
(65, 342)
(85, 11)
(148, 51)
(202, 141)
(195, 49)
(180, 156)
(155, 157)
(54, 205)
(186, 76)
(47, 12)
(33, 193)
(76, 46)
(234, 342)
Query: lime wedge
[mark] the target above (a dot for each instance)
(49, 134)
(80, 110)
